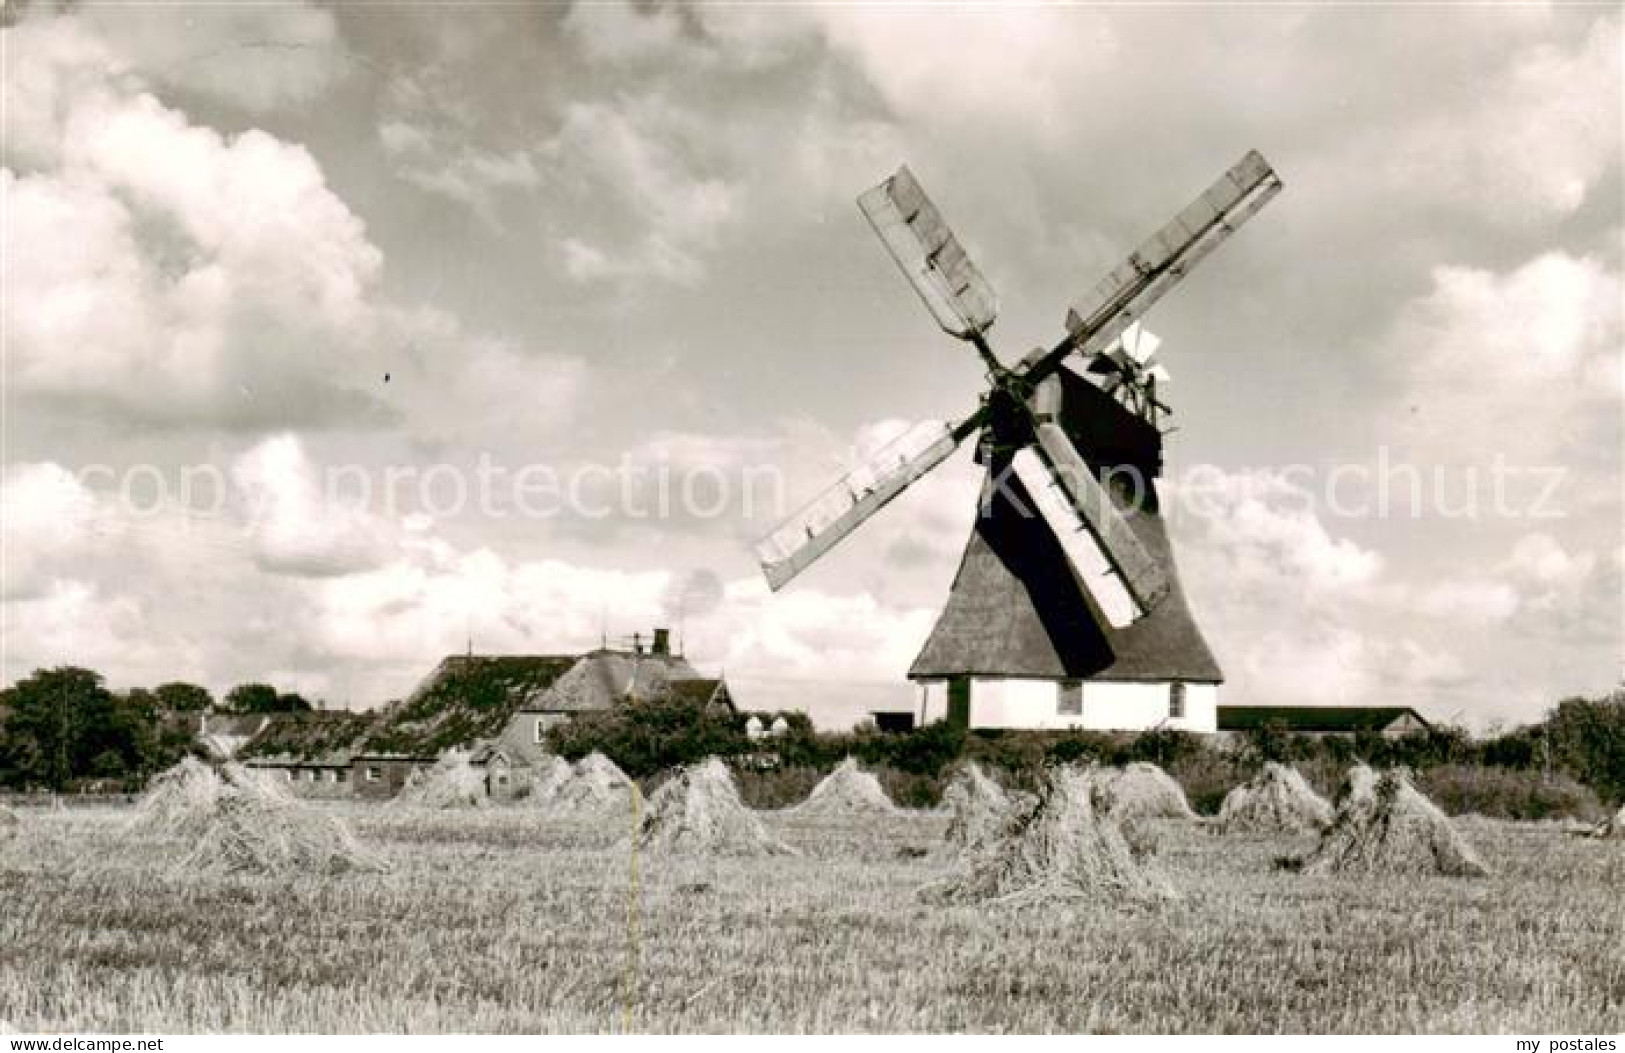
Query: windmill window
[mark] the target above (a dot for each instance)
(1069, 698)
(1176, 699)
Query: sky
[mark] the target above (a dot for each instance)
(342, 337)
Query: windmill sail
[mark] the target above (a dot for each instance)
(1101, 316)
(798, 542)
(931, 257)
(1077, 541)
(1141, 575)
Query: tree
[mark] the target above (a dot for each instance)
(252, 698)
(180, 697)
(58, 722)
(263, 698)
(1587, 738)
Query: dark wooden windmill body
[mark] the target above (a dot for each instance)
(1066, 609)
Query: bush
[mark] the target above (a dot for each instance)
(923, 751)
(1083, 747)
(1519, 748)
(1583, 740)
(1207, 776)
(1424, 749)
(774, 788)
(650, 737)
(1506, 793)
(1164, 747)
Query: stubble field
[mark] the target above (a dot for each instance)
(506, 921)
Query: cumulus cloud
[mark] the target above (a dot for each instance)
(77, 623)
(299, 525)
(1287, 604)
(260, 57)
(1538, 582)
(197, 276)
(807, 631)
(435, 599)
(45, 515)
(434, 153)
(1299, 615)
(634, 155)
(1263, 532)
(616, 32)
(1034, 55)
(1478, 602)
(1523, 362)
(1534, 145)
(203, 278)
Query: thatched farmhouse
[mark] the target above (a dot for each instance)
(315, 752)
(466, 701)
(1390, 722)
(496, 708)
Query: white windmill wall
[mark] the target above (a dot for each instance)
(1108, 705)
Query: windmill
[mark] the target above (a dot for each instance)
(1066, 609)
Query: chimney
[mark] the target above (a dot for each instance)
(662, 642)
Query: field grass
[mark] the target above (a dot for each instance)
(506, 921)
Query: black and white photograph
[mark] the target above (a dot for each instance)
(588, 517)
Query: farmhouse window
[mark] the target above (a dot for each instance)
(373, 774)
(342, 775)
(1069, 698)
(1176, 699)
(541, 731)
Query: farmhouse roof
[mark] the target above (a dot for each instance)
(221, 735)
(1314, 718)
(325, 738)
(604, 678)
(466, 697)
(701, 691)
(233, 724)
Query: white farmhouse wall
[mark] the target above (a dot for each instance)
(1108, 705)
